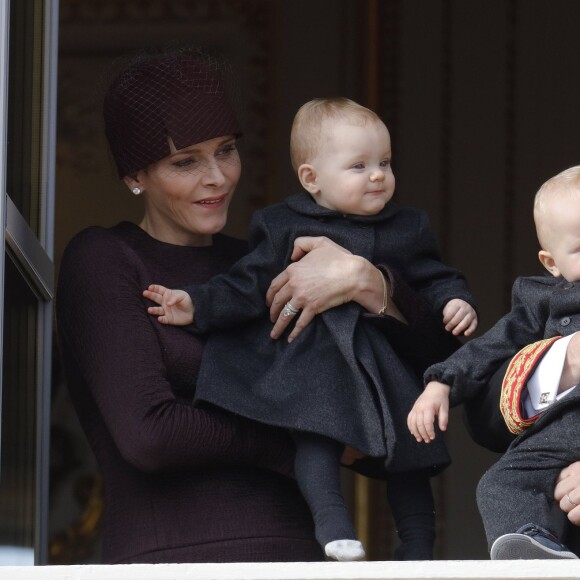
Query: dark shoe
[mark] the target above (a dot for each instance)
(530, 542)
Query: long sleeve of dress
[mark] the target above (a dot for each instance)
(121, 354)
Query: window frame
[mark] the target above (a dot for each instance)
(31, 253)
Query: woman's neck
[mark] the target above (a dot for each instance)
(175, 235)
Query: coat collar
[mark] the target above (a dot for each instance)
(303, 203)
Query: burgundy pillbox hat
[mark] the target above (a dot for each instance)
(178, 95)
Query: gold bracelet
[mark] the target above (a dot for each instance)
(383, 310)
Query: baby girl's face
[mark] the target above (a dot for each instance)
(353, 168)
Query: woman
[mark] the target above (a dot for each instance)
(184, 484)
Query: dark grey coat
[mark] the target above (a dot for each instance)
(542, 307)
(519, 487)
(340, 378)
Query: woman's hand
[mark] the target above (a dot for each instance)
(567, 492)
(323, 275)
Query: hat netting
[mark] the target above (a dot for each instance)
(179, 96)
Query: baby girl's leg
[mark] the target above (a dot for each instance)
(317, 470)
(411, 501)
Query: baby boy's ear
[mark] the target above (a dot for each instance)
(308, 179)
(547, 261)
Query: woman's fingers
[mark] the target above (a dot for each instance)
(302, 322)
(567, 492)
(275, 296)
(316, 281)
(301, 319)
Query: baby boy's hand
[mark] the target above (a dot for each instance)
(433, 402)
(459, 317)
(174, 306)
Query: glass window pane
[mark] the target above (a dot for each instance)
(25, 118)
(19, 407)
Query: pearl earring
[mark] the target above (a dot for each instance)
(136, 191)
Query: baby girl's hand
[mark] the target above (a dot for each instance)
(459, 317)
(175, 306)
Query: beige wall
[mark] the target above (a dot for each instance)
(482, 98)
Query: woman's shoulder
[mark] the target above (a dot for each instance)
(96, 235)
(97, 245)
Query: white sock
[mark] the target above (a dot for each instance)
(345, 550)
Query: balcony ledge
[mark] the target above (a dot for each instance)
(441, 570)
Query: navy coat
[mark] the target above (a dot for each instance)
(340, 378)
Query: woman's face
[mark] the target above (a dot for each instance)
(188, 193)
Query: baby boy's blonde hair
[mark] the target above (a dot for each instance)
(308, 127)
(564, 185)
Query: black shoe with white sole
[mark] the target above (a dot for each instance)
(530, 542)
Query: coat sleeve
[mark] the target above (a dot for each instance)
(468, 371)
(239, 296)
(116, 372)
(426, 271)
(423, 340)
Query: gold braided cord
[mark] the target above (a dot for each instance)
(514, 382)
